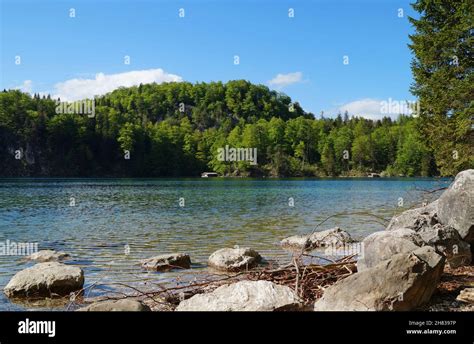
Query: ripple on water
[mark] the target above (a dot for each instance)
(116, 223)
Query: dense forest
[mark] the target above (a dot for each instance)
(175, 129)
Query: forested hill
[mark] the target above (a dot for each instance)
(175, 129)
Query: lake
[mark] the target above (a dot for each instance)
(108, 225)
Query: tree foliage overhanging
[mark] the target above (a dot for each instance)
(175, 129)
(443, 68)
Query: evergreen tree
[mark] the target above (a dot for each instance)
(444, 82)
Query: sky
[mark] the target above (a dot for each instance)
(329, 56)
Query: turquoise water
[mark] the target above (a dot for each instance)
(146, 215)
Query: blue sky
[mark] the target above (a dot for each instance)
(303, 55)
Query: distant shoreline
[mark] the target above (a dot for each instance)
(228, 178)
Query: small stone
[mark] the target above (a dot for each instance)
(166, 262)
(116, 306)
(48, 256)
(334, 237)
(234, 259)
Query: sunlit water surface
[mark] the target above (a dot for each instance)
(146, 215)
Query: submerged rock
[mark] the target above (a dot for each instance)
(456, 205)
(402, 283)
(334, 237)
(243, 296)
(234, 259)
(167, 262)
(48, 256)
(45, 280)
(124, 305)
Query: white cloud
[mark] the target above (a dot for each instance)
(26, 86)
(75, 89)
(376, 109)
(283, 80)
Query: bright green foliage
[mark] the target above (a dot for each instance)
(176, 129)
(444, 81)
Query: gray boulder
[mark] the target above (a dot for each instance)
(234, 259)
(48, 256)
(334, 237)
(447, 241)
(45, 280)
(243, 296)
(124, 305)
(456, 205)
(436, 222)
(167, 262)
(402, 283)
(380, 246)
(416, 219)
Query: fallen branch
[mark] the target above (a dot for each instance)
(307, 281)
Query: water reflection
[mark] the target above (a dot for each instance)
(146, 216)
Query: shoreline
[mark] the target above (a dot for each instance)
(428, 232)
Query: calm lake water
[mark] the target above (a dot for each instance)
(146, 215)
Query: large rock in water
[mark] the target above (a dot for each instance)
(45, 279)
(243, 296)
(402, 283)
(456, 205)
(334, 237)
(167, 262)
(48, 256)
(380, 246)
(234, 259)
(124, 305)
